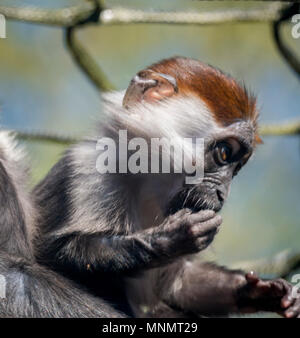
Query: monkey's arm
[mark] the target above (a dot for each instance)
(206, 289)
(182, 233)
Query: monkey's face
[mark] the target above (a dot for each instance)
(184, 97)
(225, 155)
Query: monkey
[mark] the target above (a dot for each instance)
(32, 290)
(131, 238)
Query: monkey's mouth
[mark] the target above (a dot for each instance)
(194, 200)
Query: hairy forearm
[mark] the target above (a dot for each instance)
(114, 254)
(180, 234)
(200, 288)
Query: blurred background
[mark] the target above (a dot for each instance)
(41, 88)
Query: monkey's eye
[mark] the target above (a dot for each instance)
(225, 151)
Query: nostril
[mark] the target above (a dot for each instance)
(221, 195)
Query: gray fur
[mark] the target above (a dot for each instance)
(32, 290)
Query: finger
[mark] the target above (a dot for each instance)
(205, 241)
(287, 301)
(202, 216)
(280, 288)
(289, 298)
(181, 213)
(293, 311)
(290, 314)
(270, 288)
(204, 228)
(252, 278)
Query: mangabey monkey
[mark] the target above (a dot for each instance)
(130, 238)
(31, 290)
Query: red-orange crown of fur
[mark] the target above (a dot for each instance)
(227, 99)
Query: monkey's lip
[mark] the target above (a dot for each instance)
(213, 205)
(195, 202)
(216, 207)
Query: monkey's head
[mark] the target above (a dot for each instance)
(213, 106)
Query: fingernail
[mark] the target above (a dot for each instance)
(289, 314)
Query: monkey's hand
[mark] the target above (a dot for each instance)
(186, 232)
(268, 295)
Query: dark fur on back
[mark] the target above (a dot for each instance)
(32, 290)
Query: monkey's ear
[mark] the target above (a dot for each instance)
(149, 86)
